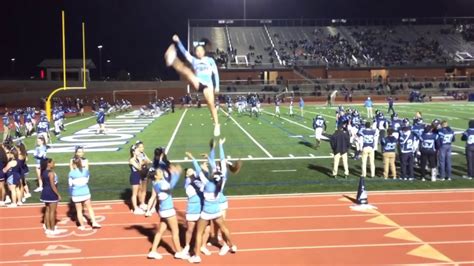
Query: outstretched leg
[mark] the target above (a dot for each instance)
(172, 60)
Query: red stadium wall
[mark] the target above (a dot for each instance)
(242, 74)
(320, 73)
(288, 74)
(348, 74)
(417, 72)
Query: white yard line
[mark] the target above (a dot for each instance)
(175, 131)
(291, 121)
(248, 135)
(298, 124)
(283, 171)
(321, 113)
(459, 147)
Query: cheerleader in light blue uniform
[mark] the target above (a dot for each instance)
(211, 211)
(160, 161)
(163, 187)
(80, 192)
(40, 154)
(194, 188)
(223, 166)
(204, 76)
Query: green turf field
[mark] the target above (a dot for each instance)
(278, 153)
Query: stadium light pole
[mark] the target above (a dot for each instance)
(107, 68)
(245, 12)
(100, 46)
(13, 65)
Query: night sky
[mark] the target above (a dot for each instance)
(135, 33)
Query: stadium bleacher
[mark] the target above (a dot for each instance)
(342, 45)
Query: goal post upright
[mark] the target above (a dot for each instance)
(65, 87)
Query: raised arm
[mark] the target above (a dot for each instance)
(211, 159)
(196, 165)
(182, 49)
(174, 179)
(215, 72)
(221, 149)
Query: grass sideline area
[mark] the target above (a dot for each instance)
(278, 153)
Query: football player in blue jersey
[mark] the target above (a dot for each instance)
(445, 140)
(319, 126)
(277, 106)
(381, 124)
(406, 142)
(100, 122)
(396, 125)
(428, 150)
(368, 136)
(389, 147)
(468, 137)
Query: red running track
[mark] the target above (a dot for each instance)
(437, 227)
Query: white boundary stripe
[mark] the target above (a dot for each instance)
(296, 195)
(250, 158)
(293, 195)
(265, 232)
(78, 121)
(276, 217)
(175, 131)
(288, 217)
(375, 245)
(248, 134)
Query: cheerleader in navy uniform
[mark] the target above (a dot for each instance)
(50, 196)
(163, 189)
(3, 163)
(6, 125)
(12, 174)
(135, 178)
(24, 170)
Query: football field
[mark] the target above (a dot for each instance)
(278, 153)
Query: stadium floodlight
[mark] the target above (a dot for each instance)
(100, 46)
